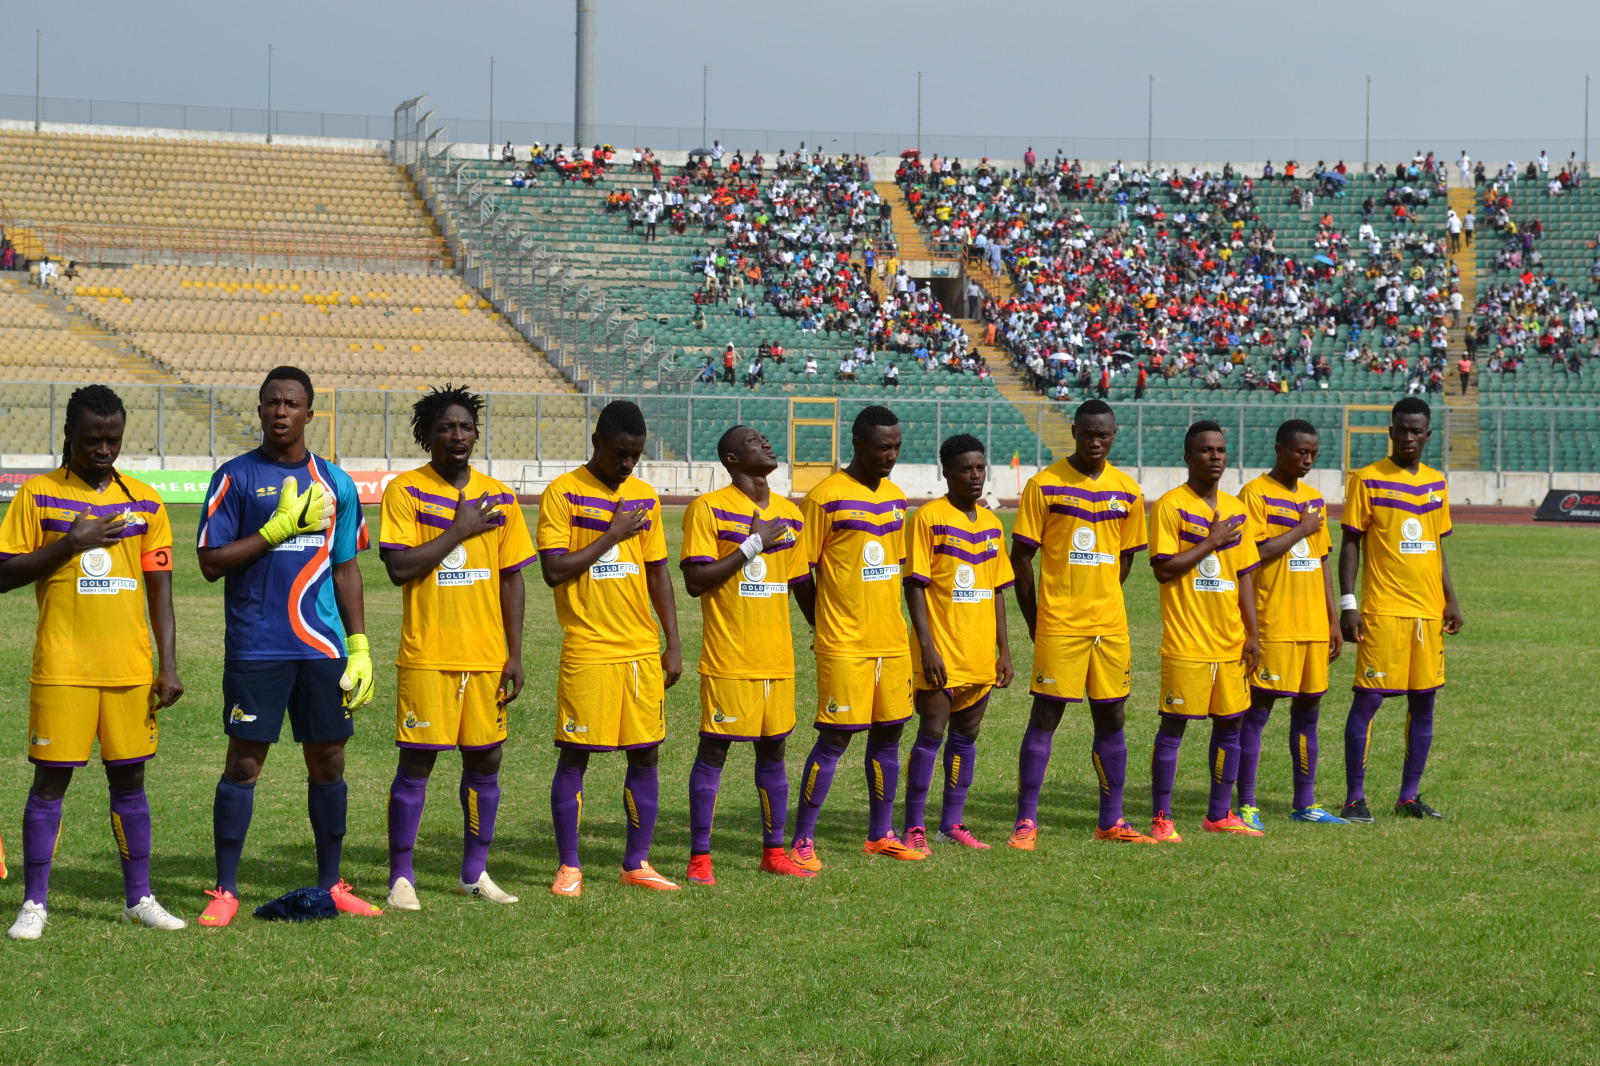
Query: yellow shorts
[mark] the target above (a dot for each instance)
(64, 720)
(1292, 668)
(1400, 655)
(1066, 666)
(963, 697)
(856, 694)
(739, 709)
(1202, 690)
(606, 706)
(437, 710)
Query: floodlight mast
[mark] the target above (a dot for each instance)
(583, 97)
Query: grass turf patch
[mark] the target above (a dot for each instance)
(1470, 940)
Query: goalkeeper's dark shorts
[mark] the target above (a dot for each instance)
(257, 692)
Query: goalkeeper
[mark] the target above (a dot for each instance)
(282, 527)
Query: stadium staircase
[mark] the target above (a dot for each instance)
(1463, 433)
(913, 244)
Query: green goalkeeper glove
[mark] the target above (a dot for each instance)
(357, 679)
(298, 512)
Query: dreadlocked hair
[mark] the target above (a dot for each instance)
(431, 407)
(95, 400)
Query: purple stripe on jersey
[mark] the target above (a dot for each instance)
(1401, 486)
(887, 507)
(1085, 494)
(1273, 501)
(695, 559)
(919, 579)
(433, 520)
(1281, 520)
(394, 547)
(801, 580)
(1004, 585)
(589, 523)
(868, 527)
(1018, 538)
(1087, 516)
(7, 555)
(1160, 557)
(1204, 523)
(962, 553)
(730, 516)
(656, 562)
(428, 497)
(1135, 551)
(983, 536)
(1195, 538)
(1406, 505)
(517, 566)
(1446, 533)
(601, 504)
(1246, 570)
(552, 551)
(54, 525)
(98, 510)
(1348, 528)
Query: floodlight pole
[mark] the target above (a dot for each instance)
(36, 52)
(705, 82)
(919, 112)
(583, 124)
(269, 94)
(1586, 125)
(1150, 128)
(491, 107)
(1366, 151)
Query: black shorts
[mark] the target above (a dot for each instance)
(257, 692)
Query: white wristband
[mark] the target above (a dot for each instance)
(1347, 602)
(751, 546)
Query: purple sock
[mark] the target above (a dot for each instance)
(641, 798)
(1357, 738)
(480, 802)
(1419, 738)
(407, 796)
(704, 781)
(882, 765)
(1032, 762)
(772, 785)
(1109, 754)
(1303, 754)
(816, 777)
(130, 824)
(1224, 767)
(1163, 773)
(566, 811)
(1255, 722)
(41, 828)
(960, 757)
(919, 777)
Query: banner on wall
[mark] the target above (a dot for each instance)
(1567, 505)
(11, 480)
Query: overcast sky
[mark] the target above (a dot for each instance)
(1236, 69)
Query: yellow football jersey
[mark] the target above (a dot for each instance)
(963, 564)
(450, 617)
(1404, 517)
(92, 629)
(1083, 526)
(855, 537)
(1291, 599)
(604, 611)
(745, 633)
(1200, 617)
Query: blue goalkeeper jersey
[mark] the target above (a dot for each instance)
(282, 606)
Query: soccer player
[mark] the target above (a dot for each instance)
(1299, 625)
(1396, 516)
(741, 555)
(455, 540)
(87, 540)
(957, 567)
(1088, 518)
(1203, 552)
(295, 629)
(855, 541)
(603, 551)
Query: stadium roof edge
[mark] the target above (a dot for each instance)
(288, 140)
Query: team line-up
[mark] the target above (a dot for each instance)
(1248, 610)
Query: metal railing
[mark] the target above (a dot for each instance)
(190, 421)
(994, 145)
(225, 247)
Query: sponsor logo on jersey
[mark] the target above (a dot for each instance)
(571, 725)
(412, 723)
(755, 585)
(236, 714)
(303, 542)
(36, 741)
(1411, 542)
(1207, 579)
(718, 716)
(1300, 560)
(872, 555)
(1174, 701)
(834, 708)
(1084, 540)
(607, 567)
(1372, 674)
(453, 569)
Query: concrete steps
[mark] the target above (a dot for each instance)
(1462, 430)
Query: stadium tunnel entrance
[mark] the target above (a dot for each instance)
(946, 278)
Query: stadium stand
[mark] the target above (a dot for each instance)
(814, 214)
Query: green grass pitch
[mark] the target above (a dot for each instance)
(1472, 940)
